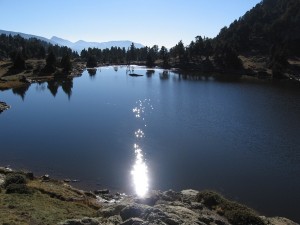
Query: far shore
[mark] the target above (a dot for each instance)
(32, 73)
(253, 68)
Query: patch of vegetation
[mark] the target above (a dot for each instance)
(17, 188)
(16, 183)
(235, 213)
(14, 179)
(39, 208)
(48, 202)
(91, 62)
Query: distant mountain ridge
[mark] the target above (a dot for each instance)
(80, 45)
(76, 46)
(26, 36)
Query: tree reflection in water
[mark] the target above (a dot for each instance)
(21, 91)
(92, 73)
(65, 83)
(149, 73)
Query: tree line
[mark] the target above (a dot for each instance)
(271, 28)
(19, 49)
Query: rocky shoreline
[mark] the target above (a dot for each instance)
(103, 207)
(189, 207)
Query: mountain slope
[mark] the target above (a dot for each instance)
(269, 26)
(26, 36)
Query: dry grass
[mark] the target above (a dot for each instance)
(47, 203)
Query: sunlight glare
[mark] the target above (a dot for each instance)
(140, 173)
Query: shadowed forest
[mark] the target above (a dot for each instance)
(262, 42)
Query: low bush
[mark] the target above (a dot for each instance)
(14, 179)
(241, 217)
(16, 183)
(17, 188)
(236, 213)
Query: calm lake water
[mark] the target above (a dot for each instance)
(239, 138)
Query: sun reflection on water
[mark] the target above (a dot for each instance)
(140, 169)
(140, 173)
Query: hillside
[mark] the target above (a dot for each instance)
(267, 37)
(270, 24)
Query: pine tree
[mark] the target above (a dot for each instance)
(66, 63)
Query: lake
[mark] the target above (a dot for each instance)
(241, 139)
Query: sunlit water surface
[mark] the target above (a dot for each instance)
(160, 131)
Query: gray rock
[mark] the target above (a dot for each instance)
(151, 199)
(133, 210)
(45, 177)
(83, 221)
(205, 219)
(111, 210)
(189, 195)
(278, 221)
(113, 220)
(196, 205)
(101, 192)
(179, 214)
(2, 179)
(160, 208)
(171, 195)
(133, 221)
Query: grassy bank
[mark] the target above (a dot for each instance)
(41, 201)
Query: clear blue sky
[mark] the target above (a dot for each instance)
(149, 22)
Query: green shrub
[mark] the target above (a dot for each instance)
(209, 198)
(235, 213)
(16, 183)
(17, 188)
(14, 179)
(241, 217)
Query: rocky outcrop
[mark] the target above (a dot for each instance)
(83, 221)
(187, 207)
(3, 106)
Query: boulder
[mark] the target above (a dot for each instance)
(2, 179)
(111, 210)
(113, 220)
(278, 221)
(83, 221)
(133, 221)
(45, 177)
(133, 210)
(101, 192)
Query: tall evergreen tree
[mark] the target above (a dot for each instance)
(66, 63)
(50, 63)
(18, 61)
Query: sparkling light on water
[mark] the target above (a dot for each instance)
(139, 134)
(140, 169)
(140, 173)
